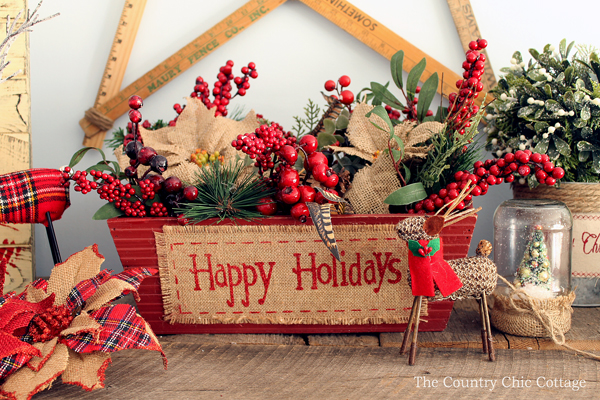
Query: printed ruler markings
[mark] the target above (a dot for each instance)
(374, 35)
(466, 26)
(382, 40)
(189, 55)
(114, 71)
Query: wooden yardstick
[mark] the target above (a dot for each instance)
(466, 26)
(115, 69)
(111, 103)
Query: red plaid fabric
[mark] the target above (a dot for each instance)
(10, 364)
(121, 329)
(26, 196)
(85, 289)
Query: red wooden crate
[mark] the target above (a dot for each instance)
(134, 240)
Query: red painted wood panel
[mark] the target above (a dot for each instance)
(134, 240)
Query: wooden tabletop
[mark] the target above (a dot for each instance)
(356, 366)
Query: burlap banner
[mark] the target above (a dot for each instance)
(283, 275)
(586, 246)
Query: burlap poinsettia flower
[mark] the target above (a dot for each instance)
(66, 327)
(196, 128)
(367, 140)
(373, 183)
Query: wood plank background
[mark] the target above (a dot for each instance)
(16, 241)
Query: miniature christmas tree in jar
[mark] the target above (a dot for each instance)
(534, 274)
(532, 246)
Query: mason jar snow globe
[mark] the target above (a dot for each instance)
(532, 247)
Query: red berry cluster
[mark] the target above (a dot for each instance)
(267, 145)
(493, 172)
(345, 96)
(50, 323)
(277, 151)
(411, 108)
(124, 195)
(221, 88)
(461, 107)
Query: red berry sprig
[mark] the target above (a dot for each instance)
(521, 164)
(123, 195)
(461, 107)
(221, 88)
(344, 95)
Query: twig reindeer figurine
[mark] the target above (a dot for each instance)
(431, 276)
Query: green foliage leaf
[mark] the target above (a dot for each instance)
(584, 146)
(596, 161)
(542, 146)
(407, 173)
(413, 78)
(397, 154)
(562, 48)
(569, 99)
(541, 127)
(407, 195)
(548, 90)
(381, 113)
(396, 66)
(79, 154)
(552, 152)
(426, 95)
(107, 211)
(517, 56)
(325, 139)
(382, 93)
(535, 54)
(596, 67)
(584, 156)
(552, 105)
(569, 74)
(562, 146)
(586, 132)
(526, 111)
(341, 122)
(585, 113)
(400, 142)
(569, 48)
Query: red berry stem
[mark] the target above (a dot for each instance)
(521, 164)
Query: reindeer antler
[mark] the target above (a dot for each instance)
(434, 224)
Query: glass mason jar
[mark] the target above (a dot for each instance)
(532, 246)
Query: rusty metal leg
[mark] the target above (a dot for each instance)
(484, 344)
(413, 346)
(491, 352)
(407, 331)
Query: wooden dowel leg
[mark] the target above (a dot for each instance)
(407, 331)
(413, 346)
(52, 240)
(491, 352)
(484, 336)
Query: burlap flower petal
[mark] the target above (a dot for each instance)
(46, 350)
(371, 185)
(24, 383)
(197, 127)
(35, 295)
(353, 151)
(419, 133)
(86, 370)
(362, 134)
(80, 266)
(83, 323)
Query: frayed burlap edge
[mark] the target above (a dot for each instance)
(168, 296)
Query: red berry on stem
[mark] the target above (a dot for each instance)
(190, 193)
(289, 154)
(300, 212)
(347, 97)
(145, 155)
(315, 159)
(173, 184)
(135, 116)
(524, 170)
(329, 85)
(307, 193)
(344, 81)
(332, 180)
(135, 102)
(289, 177)
(309, 143)
(558, 173)
(290, 195)
(267, 206)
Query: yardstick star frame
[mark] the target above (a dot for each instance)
(112, 103)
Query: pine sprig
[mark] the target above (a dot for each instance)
(225, 191)
(312, 113)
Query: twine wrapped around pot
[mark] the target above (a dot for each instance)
(522, 315)
(581, 198)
